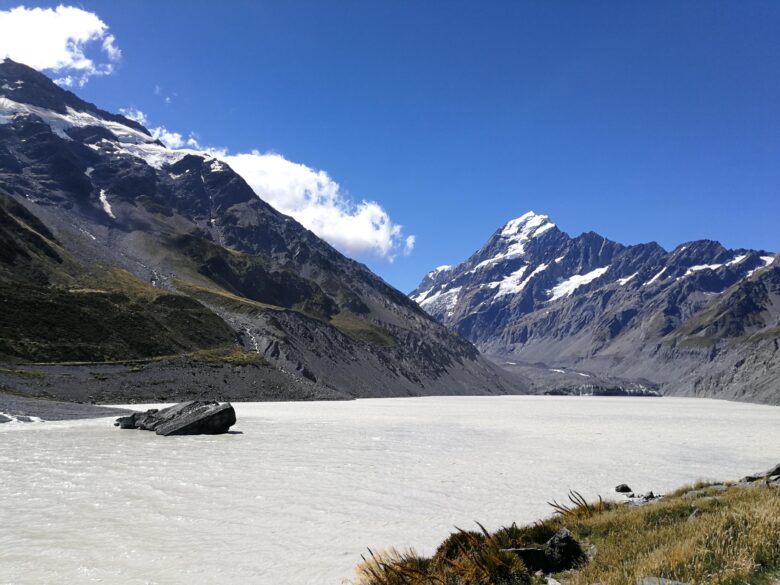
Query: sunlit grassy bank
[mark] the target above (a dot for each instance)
(699, 534)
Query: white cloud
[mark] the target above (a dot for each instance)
(318, 203)
(161, 133)
(134, 114)
(409, 244)
(168, 138)
(308, 195)
(57, 39)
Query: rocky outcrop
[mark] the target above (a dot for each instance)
(187, 418)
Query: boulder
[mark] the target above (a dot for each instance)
(563, 551)
(775, 471)
(623, 489)
(197, 417)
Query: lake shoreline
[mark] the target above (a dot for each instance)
(20, 408)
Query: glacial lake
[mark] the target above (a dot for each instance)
(300, 491)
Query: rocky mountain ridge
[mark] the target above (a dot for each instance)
(698, 320)
(117, 249)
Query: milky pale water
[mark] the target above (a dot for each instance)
(299, 494)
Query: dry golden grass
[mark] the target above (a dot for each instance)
(733, 539)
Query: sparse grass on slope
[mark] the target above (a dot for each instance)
(705, 537)
(112, 317)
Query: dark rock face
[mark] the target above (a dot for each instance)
(187, 418)
(83, 191)
(700, 320)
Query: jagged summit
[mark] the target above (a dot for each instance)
(534, 294)
(529, 224)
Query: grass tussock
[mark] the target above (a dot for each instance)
(465, 557)
(713, 537)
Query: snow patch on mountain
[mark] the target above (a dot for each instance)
(106, 205)
(736, 260)
(700, 267)
(154, 155)
(59, 123)
(442, 302)
(516, 234)
(568, 286)
(513, 284)
(656, 277)
(767, 260)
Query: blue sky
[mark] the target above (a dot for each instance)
(639, 120)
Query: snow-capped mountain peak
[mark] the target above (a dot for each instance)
(536, 294)
(527, 226)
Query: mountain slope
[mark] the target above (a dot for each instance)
(94, 208)
(699, 320)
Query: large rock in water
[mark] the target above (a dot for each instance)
(197, 417)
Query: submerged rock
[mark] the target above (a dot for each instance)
(197, 417)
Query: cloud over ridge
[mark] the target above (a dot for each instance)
(57, 40)
(310, 196)
(316, 201)
(76, 44)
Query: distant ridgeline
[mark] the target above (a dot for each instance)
(700, 320)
